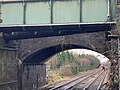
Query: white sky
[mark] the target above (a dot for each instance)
(101, 57)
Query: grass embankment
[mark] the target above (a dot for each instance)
(66, 73)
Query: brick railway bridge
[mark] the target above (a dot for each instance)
(32, 31)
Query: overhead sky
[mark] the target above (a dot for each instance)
(101, 57)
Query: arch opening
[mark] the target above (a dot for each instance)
(73, 62)
(44, 54)
(41, 57)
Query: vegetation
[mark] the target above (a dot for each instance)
(68, 64)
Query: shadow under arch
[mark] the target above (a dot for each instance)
(44, 54)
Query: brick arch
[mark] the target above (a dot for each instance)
(94, 41)
(44, 54)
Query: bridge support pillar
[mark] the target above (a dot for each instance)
(114, 75)
(31, 77)
(8, 65)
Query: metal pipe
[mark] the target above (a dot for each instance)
(1, 12)
(24, 12)
(81, 10)
(108, 11)
(51, 11)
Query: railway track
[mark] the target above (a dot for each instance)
(96, 83)
(91, 81)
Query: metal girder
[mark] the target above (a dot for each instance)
(15, 32)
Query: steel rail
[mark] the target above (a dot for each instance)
(76, 80)
(92, 82)
(102, 81)
(47, 86)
